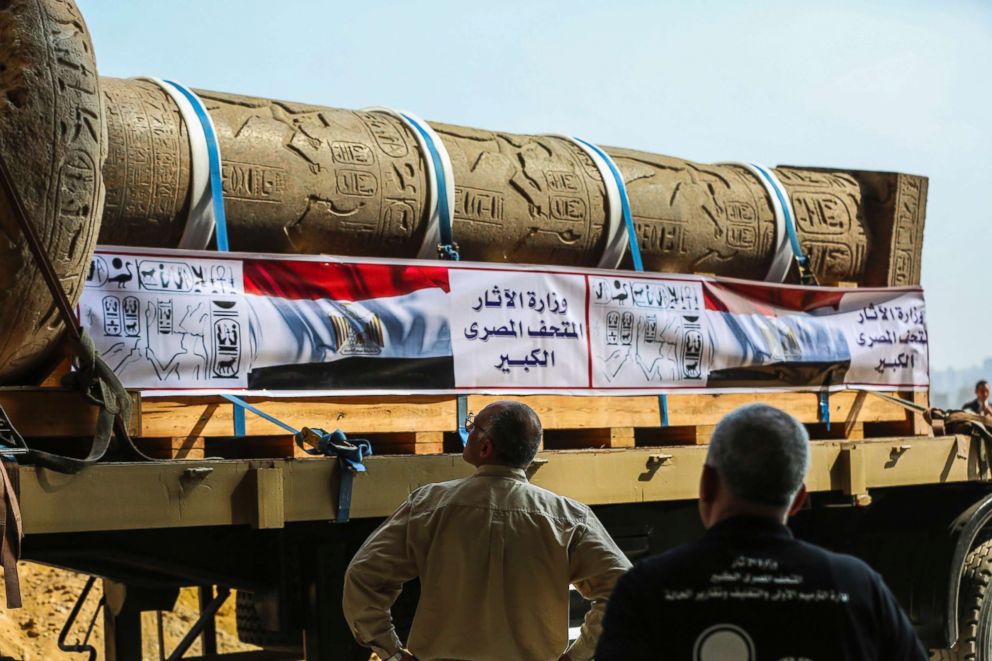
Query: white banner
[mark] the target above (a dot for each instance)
(194, 322)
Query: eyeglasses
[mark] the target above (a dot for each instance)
(470, 425)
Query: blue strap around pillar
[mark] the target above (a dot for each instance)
(635, 249)
(628, 218)
(448, 247)
(806, 274)
(239, 421)
(823, 398)
(213, 154)
(802, 259)
(217, 196)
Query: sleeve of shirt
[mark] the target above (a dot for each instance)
(596, 563)
(898, 639)
(374, 580)
(625, 635)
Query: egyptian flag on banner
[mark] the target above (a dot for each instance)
(775, 336)
(334, 326)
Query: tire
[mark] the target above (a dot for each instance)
(974, 610)
(252, 631)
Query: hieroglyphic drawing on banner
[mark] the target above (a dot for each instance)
(165, 322)
(647, 332)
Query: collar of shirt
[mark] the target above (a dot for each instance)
(497, 470)
(749, 526)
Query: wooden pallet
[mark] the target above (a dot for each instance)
(198, 427)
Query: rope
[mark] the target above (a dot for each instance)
(92, 377)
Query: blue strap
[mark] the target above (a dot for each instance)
(350, 455)
(448, 248)
(242, 404)
(824, 399)
(461, 411)
(806, 274)
(220, 223)
(628, 219)
(790, 224)
(239, 420)
(213, 155)
(635, 249)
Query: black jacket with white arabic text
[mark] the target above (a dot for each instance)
(749, 591)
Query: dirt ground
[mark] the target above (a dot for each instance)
(31, 633)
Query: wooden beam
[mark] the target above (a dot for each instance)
(118, 496)
(57, 412)
(610, 437)
(419, 442)
(204, 416)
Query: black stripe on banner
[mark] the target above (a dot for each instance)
(358, 373)
(794, 374)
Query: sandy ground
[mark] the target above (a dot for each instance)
(31, 633)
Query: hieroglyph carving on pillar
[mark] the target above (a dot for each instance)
(52, 140)
(301, 178)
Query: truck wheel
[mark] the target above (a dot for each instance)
(974, 611)
(252, 631)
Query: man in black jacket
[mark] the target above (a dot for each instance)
(748, 590)
(981, 404)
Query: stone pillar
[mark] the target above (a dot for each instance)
(309, 179)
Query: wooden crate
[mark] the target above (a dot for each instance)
(427, 425)
(198, 427)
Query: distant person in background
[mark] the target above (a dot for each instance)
(748, 590)
(981, 404)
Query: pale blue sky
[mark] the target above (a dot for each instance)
(892, 86)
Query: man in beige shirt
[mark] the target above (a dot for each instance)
(495, 556)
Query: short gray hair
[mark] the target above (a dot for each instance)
(515, 431)
(762, 453)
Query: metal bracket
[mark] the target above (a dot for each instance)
(898, 450)
(270, 498)
(206, 615)
(658, 459)
(853, 458)
(81, 647)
